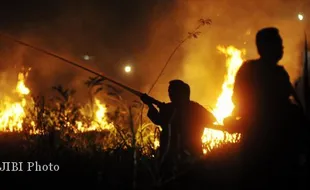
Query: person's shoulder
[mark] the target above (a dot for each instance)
(194, 103)
(282, 71)
(249, 64)
(197, 106)
(201, 111)
(281, 68)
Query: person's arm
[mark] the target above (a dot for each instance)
(148, 100)
(154, 115)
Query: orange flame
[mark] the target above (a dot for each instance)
(224, 106)
(13, 113)
(99, 123)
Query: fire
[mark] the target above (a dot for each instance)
(13, 112)
(224, 106)
(99, 123)
(21, 87)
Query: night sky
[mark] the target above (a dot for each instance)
(90, 19)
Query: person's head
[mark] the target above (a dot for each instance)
(269, 44)
(179, 91)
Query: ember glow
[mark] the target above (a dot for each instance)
(224, 106)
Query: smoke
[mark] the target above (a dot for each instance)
(143, 34)
(236, 23)
(112, 32)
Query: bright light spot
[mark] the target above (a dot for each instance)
(300, 17)
(86, 57)
(127, 69)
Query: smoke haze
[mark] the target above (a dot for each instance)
(143, 34)
(235, 23)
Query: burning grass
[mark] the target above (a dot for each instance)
(101, 126)
(79, 126)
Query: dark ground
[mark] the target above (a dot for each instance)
(108, 170)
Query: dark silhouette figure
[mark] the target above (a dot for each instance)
(182, 122)
(270, 123)
(187, 118)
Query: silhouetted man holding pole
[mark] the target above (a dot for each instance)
(182, 121)
(187, 118)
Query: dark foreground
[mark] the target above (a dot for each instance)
(107, 170)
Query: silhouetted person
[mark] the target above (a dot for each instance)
(187, 121)
(269, 121)
(187, 118)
